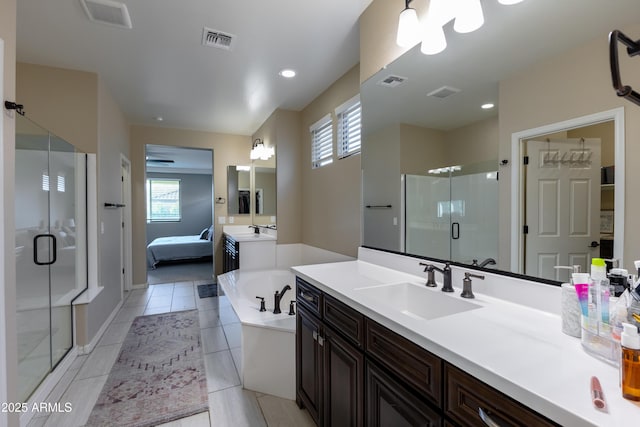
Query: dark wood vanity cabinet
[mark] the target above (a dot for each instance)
(230, 255)
(352, 371)
(329, 361)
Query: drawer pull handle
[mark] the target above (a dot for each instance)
(318, 338)
(487, 419)
(308, 298)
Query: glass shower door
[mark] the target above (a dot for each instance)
(46, 282)
(474, 212)
(427, 215)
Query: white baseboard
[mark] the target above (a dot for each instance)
(140, 286)
(86, 349)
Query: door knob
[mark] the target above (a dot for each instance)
(594, 244)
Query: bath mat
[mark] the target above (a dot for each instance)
(207, 291)
(159, 375)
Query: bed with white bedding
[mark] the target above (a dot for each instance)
(174, 248)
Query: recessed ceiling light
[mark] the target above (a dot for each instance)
(288, 73)
(487, 106)
(158, 118)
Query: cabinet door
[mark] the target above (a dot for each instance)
(390, 404)
(343, 382)
(309, 364)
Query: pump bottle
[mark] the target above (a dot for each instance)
(630, 363)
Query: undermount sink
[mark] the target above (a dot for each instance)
(417, 301)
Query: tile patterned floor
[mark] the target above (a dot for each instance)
(229, 403)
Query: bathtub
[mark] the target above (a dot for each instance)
(268, 340)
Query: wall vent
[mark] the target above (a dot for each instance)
(392, 81)
(219, 39)
(444, 92)
(107, 12)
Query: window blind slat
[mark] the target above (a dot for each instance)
(349, 129)
(322, 143)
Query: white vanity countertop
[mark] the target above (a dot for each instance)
(250, 236)
(518, 350)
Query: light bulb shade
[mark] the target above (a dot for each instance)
(259, 151)
(408, 28)
(433, 39)
(508, 2)
(469, 17)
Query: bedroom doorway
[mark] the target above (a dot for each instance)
(180, 212)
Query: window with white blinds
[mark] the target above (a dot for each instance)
(349, 117)
(163, 200)
(322, 142)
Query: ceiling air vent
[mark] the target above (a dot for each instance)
(107, 12)
(392, 81)
(215, 38)
(443, 92)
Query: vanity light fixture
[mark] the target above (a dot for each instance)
(158, 118)
(487, 106)
(287, 73)
(260, 151)
(408, 27)
(467, 15)
(241, 168)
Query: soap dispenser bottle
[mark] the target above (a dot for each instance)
(630, 363)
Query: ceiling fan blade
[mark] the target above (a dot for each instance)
(159, 161)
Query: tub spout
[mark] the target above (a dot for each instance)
(277, 298)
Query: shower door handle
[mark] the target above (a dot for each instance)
(53, 247)
(455, 230)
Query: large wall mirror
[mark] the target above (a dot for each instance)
(251, 190)
(431, 151)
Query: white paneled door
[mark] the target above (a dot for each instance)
(562, 205)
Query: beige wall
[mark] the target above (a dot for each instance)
(331, 194)
(63, 101)
(282, 131)
(227, 150)
(574, 84)
(421, 149)
(381, 187)
(113, 142)
(477, 142)
(8, 342)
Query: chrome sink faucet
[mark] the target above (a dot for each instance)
(277, 298)
(446, 276)
(256, 229)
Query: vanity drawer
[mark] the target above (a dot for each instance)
(418, 367)
(343, 319)
(464, 395)
(308, 296)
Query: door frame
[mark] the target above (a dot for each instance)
(127, 243)
(517, 183)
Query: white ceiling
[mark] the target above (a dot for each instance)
(512, 39)
(160, 68)
(182, 160)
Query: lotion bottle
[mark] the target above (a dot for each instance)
(630, 363)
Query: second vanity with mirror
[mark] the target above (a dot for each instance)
(251, 194)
